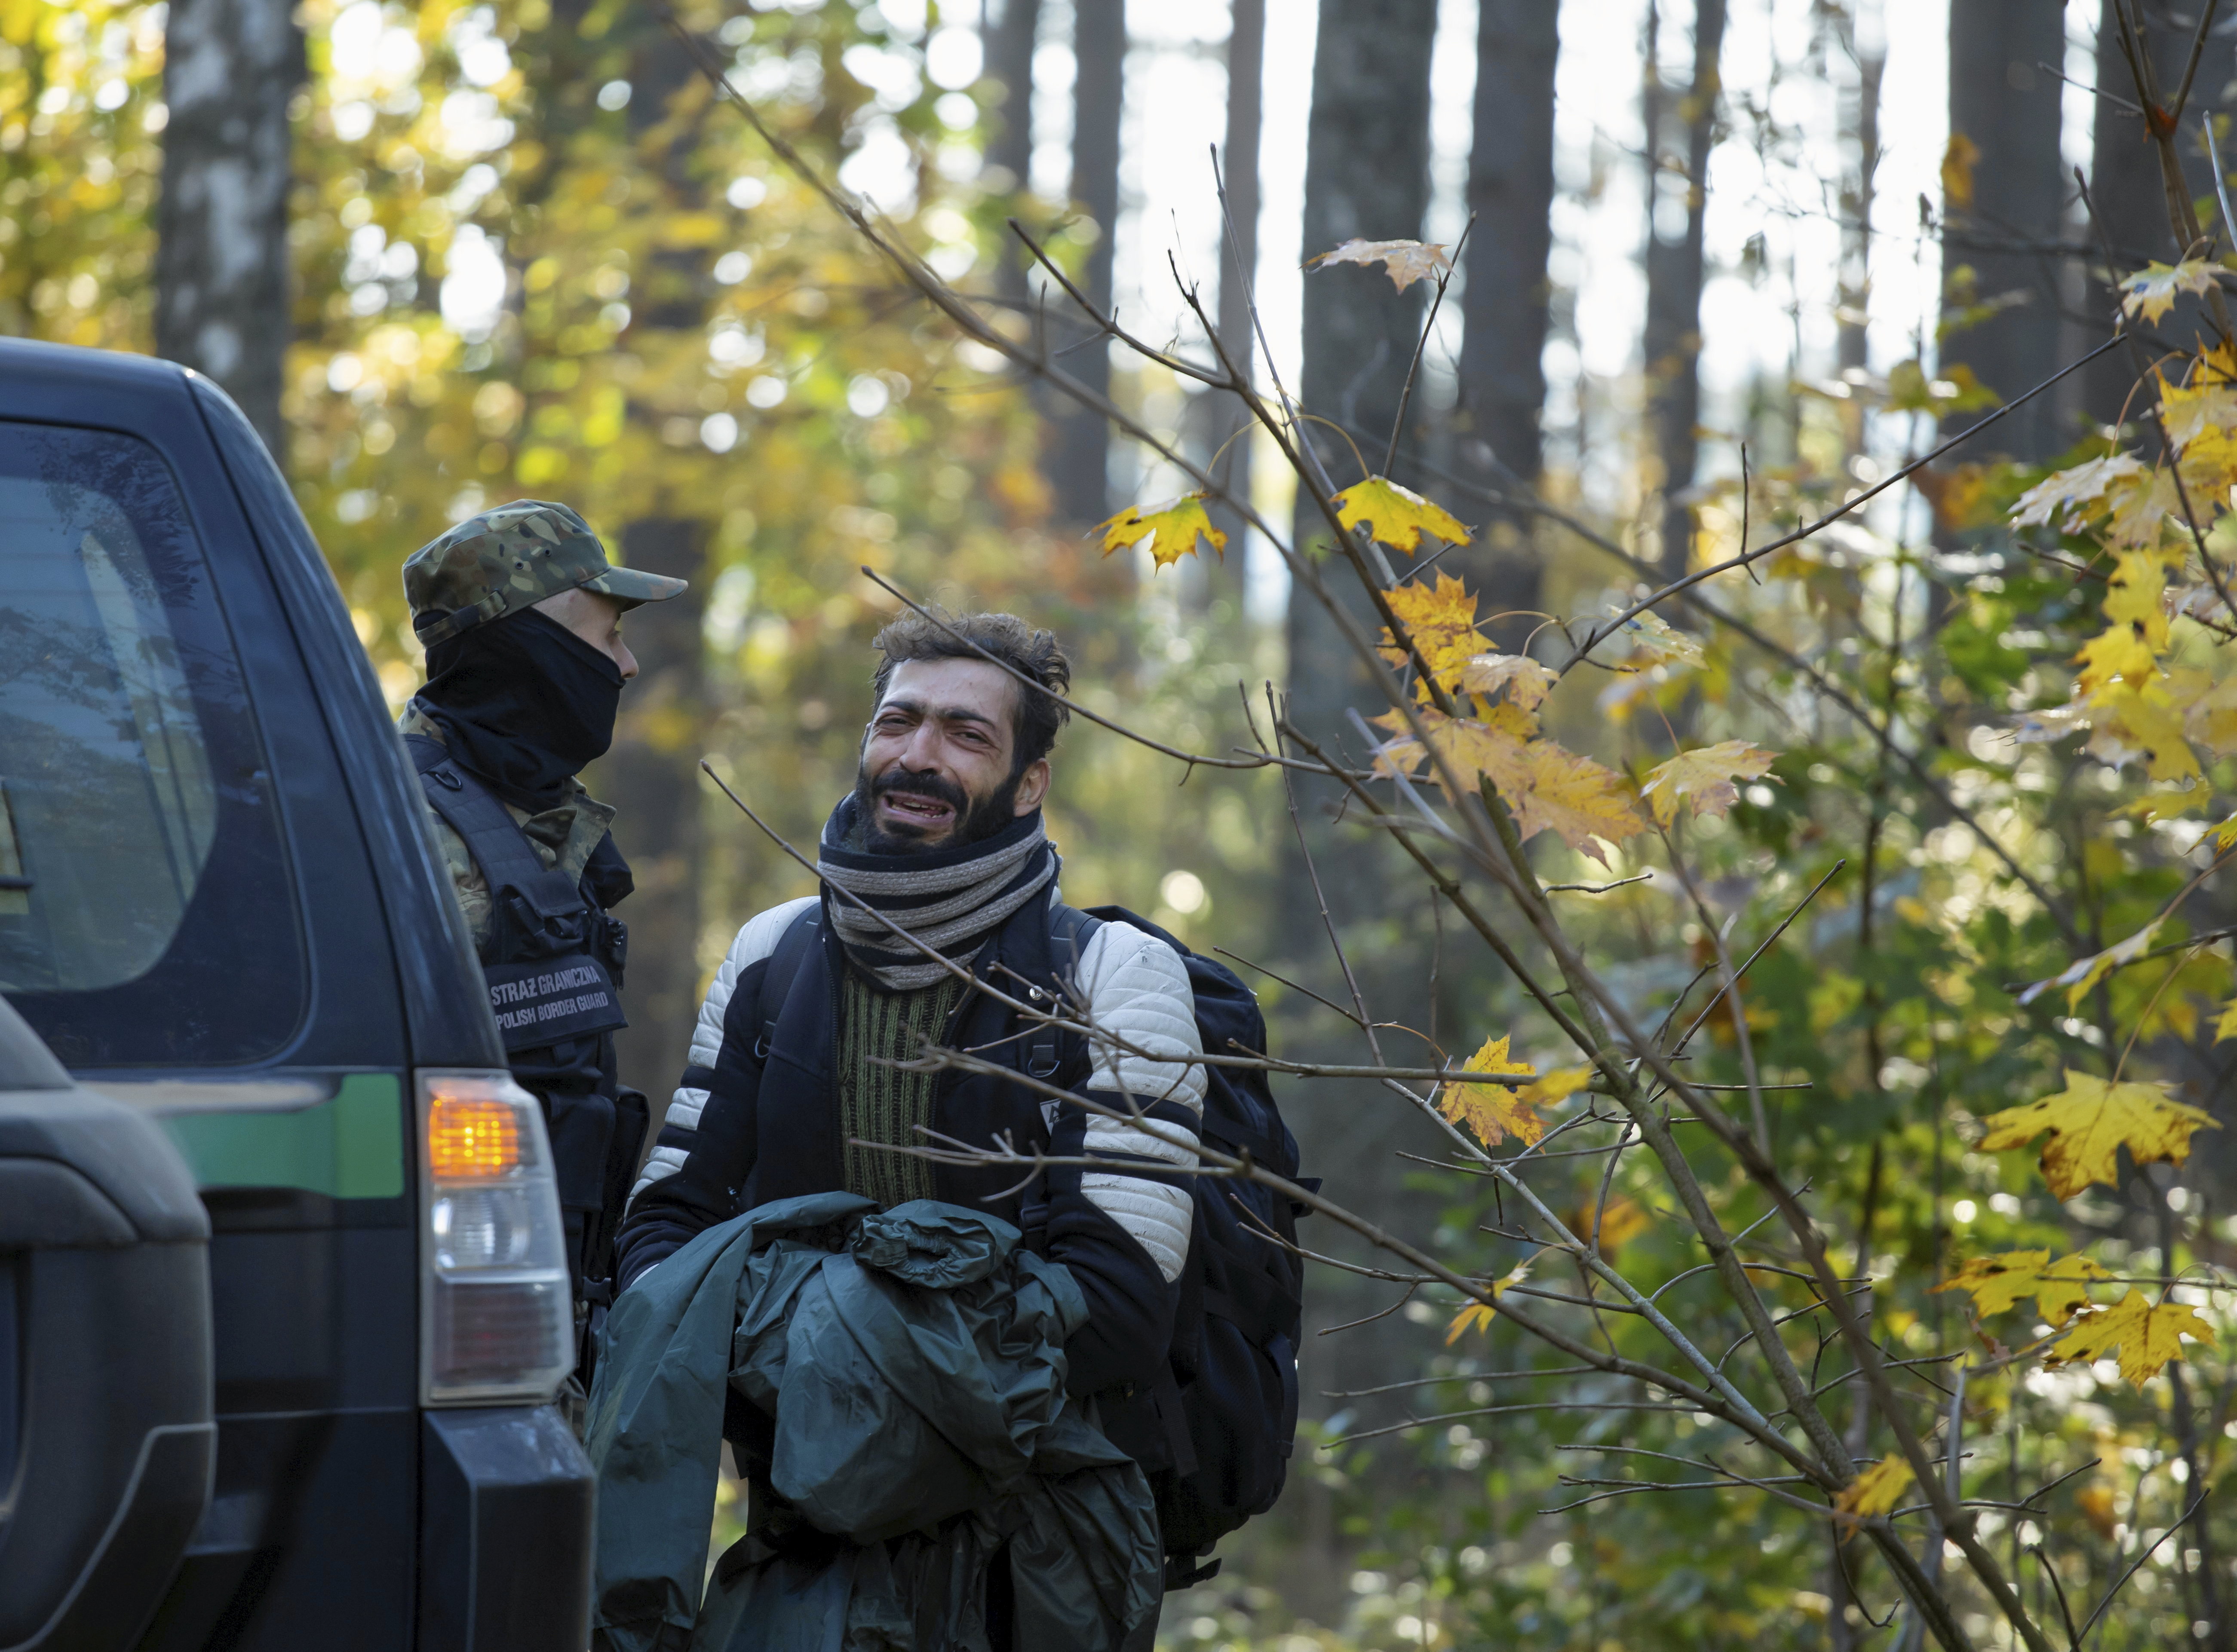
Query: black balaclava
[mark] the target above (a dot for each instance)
(525, 703)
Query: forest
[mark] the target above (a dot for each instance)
(1655, 574)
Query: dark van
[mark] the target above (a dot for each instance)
(283, 1302)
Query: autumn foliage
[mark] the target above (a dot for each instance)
(2150, 705)
(1803, 989)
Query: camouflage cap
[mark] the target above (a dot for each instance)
(511, 558)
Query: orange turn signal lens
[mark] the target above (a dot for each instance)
(471, 1141)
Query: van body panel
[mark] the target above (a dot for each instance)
(506, 1532)
(435, 952)
(297, 1550)
(106, 1433)
(335, 1498)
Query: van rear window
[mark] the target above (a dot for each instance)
(147, 915)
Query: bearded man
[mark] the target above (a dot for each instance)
(792, 1061)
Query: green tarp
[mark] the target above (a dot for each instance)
(907, 1368)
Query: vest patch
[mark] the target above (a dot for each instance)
(547, 1001)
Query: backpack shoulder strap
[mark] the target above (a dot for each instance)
(1070, 931)
(1056, 1053)
(793, 949)
(492, 836)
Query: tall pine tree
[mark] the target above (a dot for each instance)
(1366, 176)
(1681, 128)
(1502, 382)
(1079, 448)
(222, 300)
(2005, 198)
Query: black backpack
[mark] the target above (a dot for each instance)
(1235, 1337)
(1234, 1356)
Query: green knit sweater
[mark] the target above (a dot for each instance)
(881, 1103)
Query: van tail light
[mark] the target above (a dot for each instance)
(496, 1318)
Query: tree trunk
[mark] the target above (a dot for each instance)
(1239, 165)
(1366, 176)
(2008, 111)
(1502, 379)
(221, 297)
(651, 778)
(1859, 191)
(2128, 193)
(648, 775)
(1009, 55)
(1009, 45)
(1079, 463)
(1676, 206)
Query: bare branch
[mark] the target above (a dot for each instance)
(2122, 1582)
(1602, 631)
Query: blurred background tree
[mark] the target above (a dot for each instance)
(521, 251)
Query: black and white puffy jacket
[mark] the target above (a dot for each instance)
(747, 1128)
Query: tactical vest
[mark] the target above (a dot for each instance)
(553, 961)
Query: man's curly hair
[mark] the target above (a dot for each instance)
(1033, 655)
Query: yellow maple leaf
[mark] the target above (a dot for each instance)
(1547, 787)
(2143, 508)
(1998, 1284)
(2084, 973)
(2148, 1334)
(1407, 261)
(1496, 747)
(1171, 528)
(1527, 683)
(1654, 640)
(2064, 497)
(2132, 719)
(1492, 1112)
(2225, 1026)
(2203, 408)
(1478, 1316)
(2152, 290)
(2154, 806)
(1440, 618)
(2200, 420)
(1876, 1489)
(1397, 516)
(1957, 158)
(2133, 593)
(1578, 801)
(2209, 707)
(1705, 777)
(2063, 1288)
(2208, 466)
(2090, 1121)
(2117, 654)
(1558, 1085)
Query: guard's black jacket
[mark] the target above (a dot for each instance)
(553, 957)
